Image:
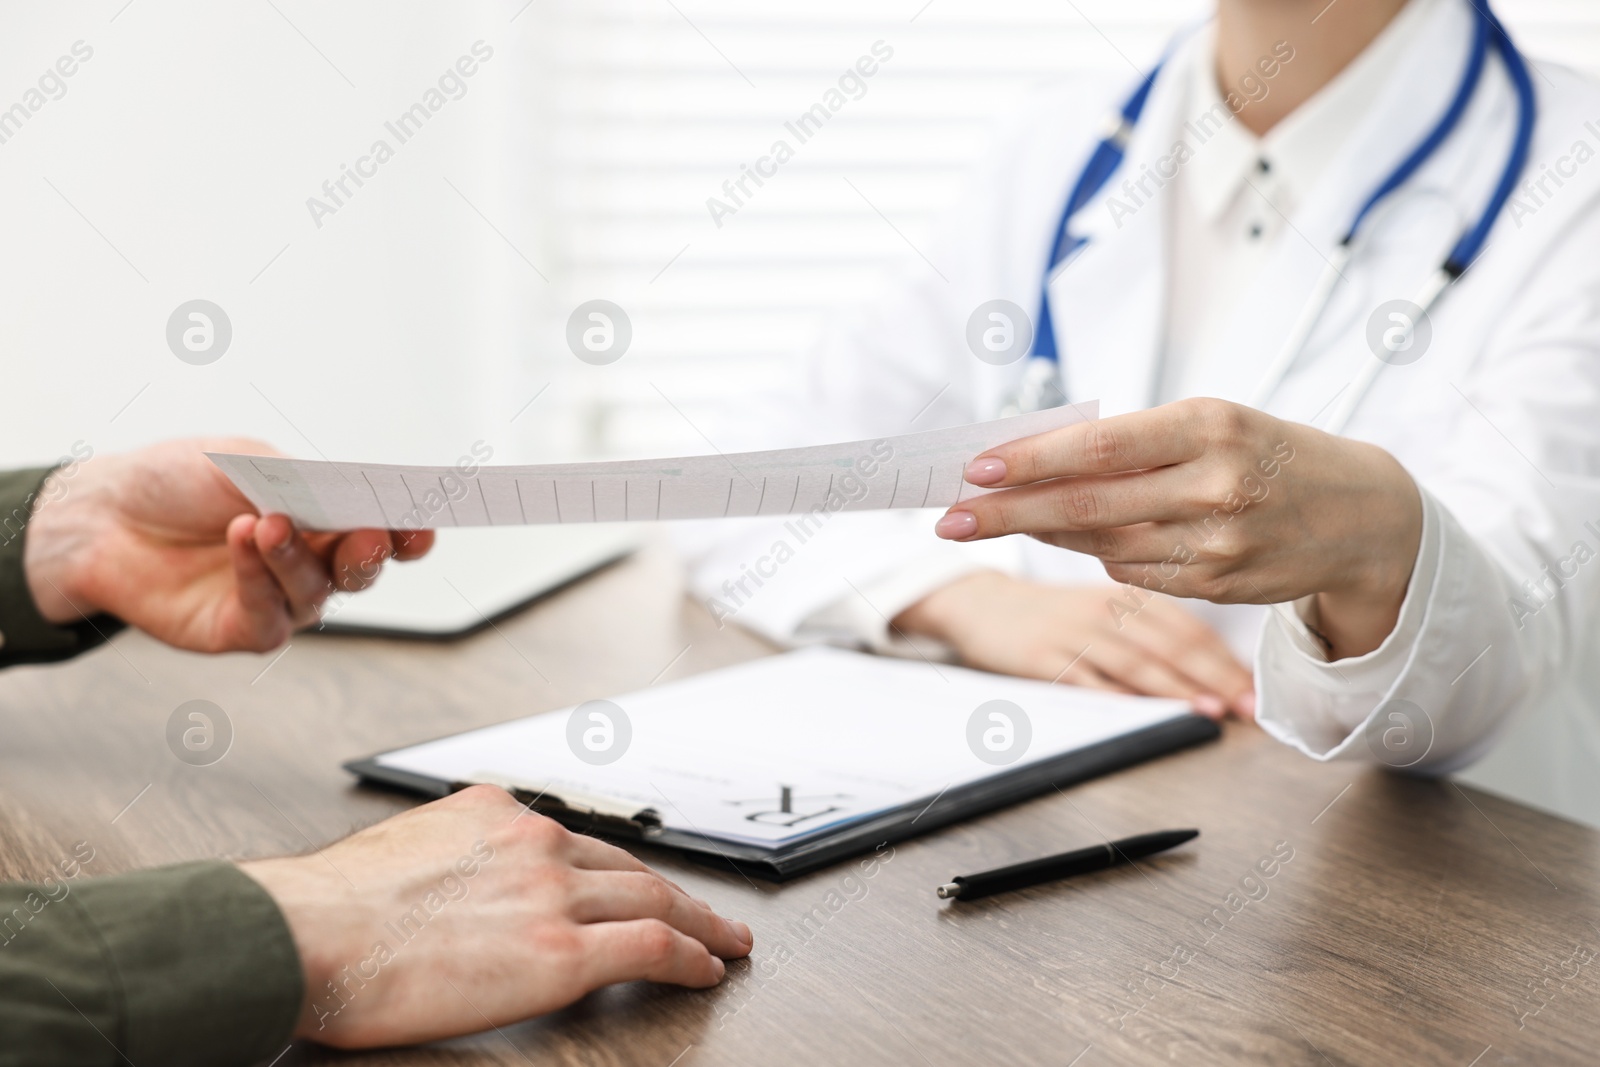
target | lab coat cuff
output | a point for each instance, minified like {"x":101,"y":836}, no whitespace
{"x":862,"y":619}
{"x":1322,"y":707}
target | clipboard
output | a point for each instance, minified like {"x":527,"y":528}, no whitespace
{"x":894,"y":693}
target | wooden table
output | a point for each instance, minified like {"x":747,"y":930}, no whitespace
{"x":1403,"y":921}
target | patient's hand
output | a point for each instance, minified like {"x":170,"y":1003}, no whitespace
{"x":544,"y":917}
{"x":1096,"y":636}
{"x":161,"y":539}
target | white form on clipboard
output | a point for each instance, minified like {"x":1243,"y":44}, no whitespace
{"x":777,"y":754}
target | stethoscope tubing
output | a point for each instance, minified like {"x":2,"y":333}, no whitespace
{"x":1488,"y":33}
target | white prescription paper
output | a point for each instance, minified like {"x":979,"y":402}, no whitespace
{"x":911,"y":471}
{"x":778,"y":749}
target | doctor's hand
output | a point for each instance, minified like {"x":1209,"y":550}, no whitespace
{"x":1101,"y":637}
{"x":161,"y":539}
{"x":1209,"y":499}
{"x":472,"y":912}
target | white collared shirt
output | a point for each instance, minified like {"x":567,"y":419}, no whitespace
{"x":1231,"y":202}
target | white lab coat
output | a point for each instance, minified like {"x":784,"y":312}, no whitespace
{"x":1499,"y":421}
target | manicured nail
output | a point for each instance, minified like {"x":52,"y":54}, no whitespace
{"x":1247,"y":705}
{"x":986,"y":471}
{"x":742,"y":932}
{"x":1209,"y":706}
{"x":957,"y":526}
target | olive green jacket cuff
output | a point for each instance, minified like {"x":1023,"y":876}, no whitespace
{"x":25,"y":636}
{"x":192,"y":964}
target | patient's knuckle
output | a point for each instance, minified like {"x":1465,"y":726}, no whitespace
{"x":656,"y":894}
{"x":554,"y":879}
{"x":558,"y":944}
{"x":656,"y":941}
{"x":541,"y":833}
{"x":486,"y":796}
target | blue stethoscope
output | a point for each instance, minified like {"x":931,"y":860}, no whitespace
{"x":1039,"y":387}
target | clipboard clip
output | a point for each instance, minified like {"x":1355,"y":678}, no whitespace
{"x":571,"y":807}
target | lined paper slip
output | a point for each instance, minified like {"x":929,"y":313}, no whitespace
{"x":911,"y":471}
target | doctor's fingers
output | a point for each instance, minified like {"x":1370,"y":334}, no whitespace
{"x":1077,"y":670}
{"x":1074,"y":505}
{"x":1191,"y":647}
{"x":1138,"y":669}
{"x":621,"y":896}
{"x":1141,"y":440}
{"x":1159,"y":547}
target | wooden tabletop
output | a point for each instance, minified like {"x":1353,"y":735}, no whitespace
{"x":1329,"y":914}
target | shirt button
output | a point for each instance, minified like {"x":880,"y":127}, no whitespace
{"x":1263,"y":165}
{"x":1255,"y":231}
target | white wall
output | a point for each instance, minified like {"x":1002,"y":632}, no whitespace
{"x":178,"y":165}
{"x":409,"y":325}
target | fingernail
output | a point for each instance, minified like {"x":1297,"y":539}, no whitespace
{"x":1209,"y":706}
{"x":986,"y":471}
{"x":957,"y":526}
{"x":1247,"y":705}
{"x":282,"y":547}
{"x":720,"y":968}
{"x":742,"y":932}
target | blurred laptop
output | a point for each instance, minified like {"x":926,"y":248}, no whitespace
{"x":475,"y":576}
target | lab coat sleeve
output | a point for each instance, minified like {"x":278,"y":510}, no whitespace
{"x":799,"y":582}
{"x":1501,"y":600}
{"x":900,"y":363}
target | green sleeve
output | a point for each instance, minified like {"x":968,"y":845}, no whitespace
{"x":192,"y":964}
{"x":25,"y":637}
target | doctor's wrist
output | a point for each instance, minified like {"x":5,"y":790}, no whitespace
{"x":945,"y":613}
{"x":1355,"y":615}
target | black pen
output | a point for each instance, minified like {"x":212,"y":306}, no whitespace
{"x":1050,"y":868}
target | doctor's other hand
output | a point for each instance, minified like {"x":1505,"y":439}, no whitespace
{"x":1095,"y":636}
{"x":507,"y":915}
{"x":161,"y":539}
{"x":1214,"y":500}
